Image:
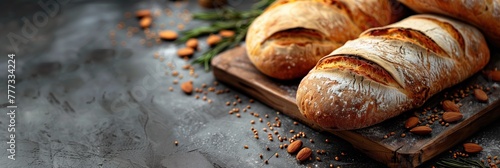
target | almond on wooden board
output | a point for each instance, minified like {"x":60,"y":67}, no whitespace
{"x":480,"y":95}
{"x":452,"y":116}
{"x":304,"y":154}
{"x":294,"y":146}
{"x":421,"y":130}
{"x":450,"y":106}
{"x":472,"y":147}
{"x":145,"y":22}
{"x":411,"y":122}
{"x":494,"y":75}
{"x":185,"y":52}
{"x":143,"y":13}
{"x":187,"y":87}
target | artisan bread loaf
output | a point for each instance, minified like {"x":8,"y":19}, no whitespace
{"x":289,"y":38}
{"x":389,"y":70}
{"x":484,"y":14}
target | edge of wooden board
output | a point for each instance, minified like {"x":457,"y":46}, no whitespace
{"x":233,"y":65}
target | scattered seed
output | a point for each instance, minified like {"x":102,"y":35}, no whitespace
{"x":176,"y":143}
{"x":246,"y":146}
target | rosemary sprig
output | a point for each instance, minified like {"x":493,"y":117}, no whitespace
{"x":461,"y":163}
{"x":262,"y":4}
{"x":224,"y":44}
{"x":204,"y":30}
{"x":227,"y":14}
{"x":226,"y":19}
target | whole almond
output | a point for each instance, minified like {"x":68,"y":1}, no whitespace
{"x":472,"y":148}
{"x":411,"y":122}
{"x":145,"y":22}
{"x":168,"y":35}
{"x":143,"y":13}
{"x":187,"y":87}
{"x":192,"y":43}
{"x":421,"y":130}
{"x":450,"y":106}
{"x":494,"y":75}
{"x":304,"y":154}
{"x":185,"y":52}
{"x":480,"y":95}
{"x":452,"y":116}
{"x":226,"y":33}
{"x":213,"y":39}
{"x":294,"y":146}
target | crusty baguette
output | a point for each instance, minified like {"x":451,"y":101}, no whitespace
{"x":484,"y":14}
{"x":289,"y":38}
{"x":389,"y":70}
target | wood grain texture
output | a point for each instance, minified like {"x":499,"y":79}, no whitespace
{"x":233,"y":68}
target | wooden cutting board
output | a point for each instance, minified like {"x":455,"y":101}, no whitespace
{"x":235,"y":69}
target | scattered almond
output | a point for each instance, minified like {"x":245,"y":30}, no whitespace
{"x":452,"y":116}
{"x":212,"y":3}
{"x":145,"y":22}
{"x":450,"y":106}
{"x":421,"y":130}
{"x":187,"y":87}
{"x":143,"y":13}
{"x":192,"y":43}
{"x":411,"y":122}
{"x":185,"y":52}
{"x":472,"y":148}
{"x":480,"y":95}
{"x":294,"y":146}
{"x":494,"y":75}
{"x":168,"y":35}
{"x":226,"y":33}
{"x":213,"y":39}
{"x":304,"y":154}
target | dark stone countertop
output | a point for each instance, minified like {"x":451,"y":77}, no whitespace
{"x":84,"y":102}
